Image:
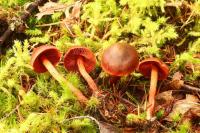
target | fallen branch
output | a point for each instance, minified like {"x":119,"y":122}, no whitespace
{"x":176,"y":84}
{"x":26,"y":14}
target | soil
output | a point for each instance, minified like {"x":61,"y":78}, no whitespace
{"x":3,"y":26}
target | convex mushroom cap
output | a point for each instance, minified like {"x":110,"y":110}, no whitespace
{"x":50,"y":52}
{"x":119,"y":59}
{"x":145,"y":68}
{"x":75,"y":52}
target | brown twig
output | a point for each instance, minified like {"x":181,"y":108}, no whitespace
{"x":26,"y":14}
{"x":176,"y":84}
{"x":192,"y":88}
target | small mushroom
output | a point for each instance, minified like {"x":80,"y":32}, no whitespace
{"x":156,"y":70}
{"x":45,"y":58}
{"x":81,"y":59}
{"x":119,"y":59}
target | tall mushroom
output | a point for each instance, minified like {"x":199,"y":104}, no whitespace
{"x":81,"y":59}
{"x":45,"y":58}
{"x":119,"y":59}
{"x":156,"y":70}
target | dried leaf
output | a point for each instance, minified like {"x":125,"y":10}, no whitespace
{"x":176,"y":82}
{"x":76,"y":10}
{"x":75,"y":14}
{"x":195,"y":112}
{"x":182,"y":106}
{"x":164,"y":97}
{"x":190,"y":67}
{"x":108,"y":128}
{"x":50,"y":8}
{"x":71,"y":18}
{"x":177,"y":76}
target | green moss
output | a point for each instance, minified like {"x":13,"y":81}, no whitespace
{"x":133,"y":118}
{"x":145,"y":24}
{"x":82,"y":126}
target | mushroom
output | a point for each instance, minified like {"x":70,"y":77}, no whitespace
{"x":81,"y":59}
{"x":156,"y":70}
{"x":119,"y":59}
{"x":45,"y":58}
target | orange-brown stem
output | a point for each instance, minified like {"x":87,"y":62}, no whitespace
{"x":152,"y":91}
{"x":61,"y":79}
{"x":77,"y":93}
{"x":86,"y":76}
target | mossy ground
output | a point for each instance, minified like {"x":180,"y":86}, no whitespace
{"x":167,"y":29}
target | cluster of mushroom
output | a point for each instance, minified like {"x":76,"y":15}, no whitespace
{"x":46,"y":57}
{"x":118,"y":60}
{"x":122,"y":59}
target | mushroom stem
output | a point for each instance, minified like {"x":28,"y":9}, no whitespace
{"x":152,"y":91}
{"x":86,"y":76}
{"x":49,"y":66}
{"x":62,"y":80}
{"x":77,"y":92}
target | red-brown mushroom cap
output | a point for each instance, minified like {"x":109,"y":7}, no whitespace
{"x":50,"y":52}
{"x":145,"y":67}
{"x":70,"y":58}
{"x":119,"y":59}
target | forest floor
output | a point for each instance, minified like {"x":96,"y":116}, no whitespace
{"x":32,"y":102}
